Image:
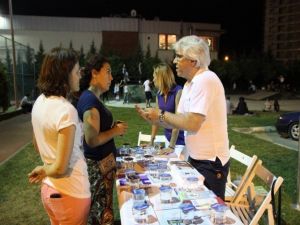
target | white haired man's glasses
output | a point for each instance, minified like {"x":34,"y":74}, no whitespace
{"x":178,"y":56}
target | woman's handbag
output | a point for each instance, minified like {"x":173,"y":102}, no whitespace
{"x":107,"y":164}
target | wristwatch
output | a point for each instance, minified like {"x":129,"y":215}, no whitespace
{"x":162,"y":116}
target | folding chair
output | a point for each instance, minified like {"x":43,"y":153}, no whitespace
{"x":252,"y":214}
{"x":146,"y":138}
{"x":236,"y":193}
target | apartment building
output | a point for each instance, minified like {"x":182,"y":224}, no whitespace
{"x":282,"y":29}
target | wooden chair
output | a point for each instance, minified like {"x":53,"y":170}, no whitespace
{"x":146,"y":138}
{"x":251,"y":214}
{"x":234,"y":193}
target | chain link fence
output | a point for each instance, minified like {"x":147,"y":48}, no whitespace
{"x":25,"y":68}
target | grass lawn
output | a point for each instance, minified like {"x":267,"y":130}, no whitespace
{"x":20,"y":202}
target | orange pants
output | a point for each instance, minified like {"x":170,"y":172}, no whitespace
{"x":64,"y":209}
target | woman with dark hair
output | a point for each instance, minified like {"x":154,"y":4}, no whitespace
{"x":65,"y":189}
{"x":99,"y":133}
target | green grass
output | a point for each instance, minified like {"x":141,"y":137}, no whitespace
{"x":20,"y":202}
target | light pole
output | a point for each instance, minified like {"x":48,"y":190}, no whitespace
{"x":297,"y":204}
{"x":14,"y":52}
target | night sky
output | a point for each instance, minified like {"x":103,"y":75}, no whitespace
{"x":241,"y":20}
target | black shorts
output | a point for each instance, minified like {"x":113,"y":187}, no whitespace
{"x":148,"y":95}
{"x":215,"y":174}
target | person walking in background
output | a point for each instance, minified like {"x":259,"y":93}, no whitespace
{"x":276,"y":105}
{"x":201,"y":113}
{"x":65,"y":189}
{"x":167,"y":99}
{"x":116,"y":91}
{"x":148,"y":93}
{"x":268,"y":105}
{"x":98,"y":143}
{"x":125,"y":90}
{"x":229,"y":106}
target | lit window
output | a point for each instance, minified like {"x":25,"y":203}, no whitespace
{"x":166,"y":41}
{"x":210,"y":42}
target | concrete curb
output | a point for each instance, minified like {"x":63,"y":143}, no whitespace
{"x":263,"y":129}
{"x":251,"y":130}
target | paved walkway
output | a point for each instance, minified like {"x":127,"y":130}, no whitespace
{"x":17,"y":132}
{"x":253,"y":105}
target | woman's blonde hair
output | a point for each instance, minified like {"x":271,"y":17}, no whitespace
{"x":164,"y":77}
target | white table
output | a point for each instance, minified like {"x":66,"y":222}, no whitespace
{"x":160,"y":214}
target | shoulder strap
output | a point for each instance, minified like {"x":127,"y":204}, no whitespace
{"x":276,"y":213}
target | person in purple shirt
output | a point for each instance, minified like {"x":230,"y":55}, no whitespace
{"x":167,"y":99}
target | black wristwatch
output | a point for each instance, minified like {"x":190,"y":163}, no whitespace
{"x":162,"y":116}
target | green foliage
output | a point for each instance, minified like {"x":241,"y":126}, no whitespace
{"x":218,"y":66}
{"x":81,"y":56}
{"x":260,"y":68}
{"x":148,"y":63}
{"x":19,"y":66}
{"x":29,"y":60}
{"x":39,"y":57}
{"x":71,"y":45}
{"x":116,"y":64}
{"x":8,"y":60}
{"x":92,"y":50}
{"x":294,"y":72}
{"x":132,"y":65}
{"x":4,"y":89}
{"x":148,"y":52}
{"x":136,"y":93}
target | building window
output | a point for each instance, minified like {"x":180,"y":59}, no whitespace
{"x":210,"y":42}
{"x":166,"y":41}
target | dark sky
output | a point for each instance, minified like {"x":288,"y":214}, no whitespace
{"x":242,"y":20}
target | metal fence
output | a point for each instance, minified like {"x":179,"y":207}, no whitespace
{"x":25,"y":67}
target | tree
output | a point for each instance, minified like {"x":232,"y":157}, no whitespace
{"x":4,"y":88}
{"x":39,"y":57}
{"x":148,"y":63}
{"x":148,"y":52}
{"x":92,"y":50}
{"x":71,"y":45}
{"x":293,"y":74}
{"x":133,"y":63}
{"x":8,"y":60}
{"x":81,"y":57}
{"x":29,"y":60}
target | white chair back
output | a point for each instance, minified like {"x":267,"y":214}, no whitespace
{"x":234,"y":193}
{"x":146,"y":138}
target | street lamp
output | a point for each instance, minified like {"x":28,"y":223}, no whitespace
{"x":14,"y":51}
{"x":226,"y":58}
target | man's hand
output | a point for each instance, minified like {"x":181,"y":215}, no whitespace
{"x":150,"y":114}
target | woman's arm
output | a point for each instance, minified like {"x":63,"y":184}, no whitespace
{"x":175,"y":131}
{"x":154,"y":127}
{"x":59,"y":168}
{"x":92,"y":134}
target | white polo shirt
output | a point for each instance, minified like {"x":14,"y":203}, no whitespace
{"x":205,"y":95}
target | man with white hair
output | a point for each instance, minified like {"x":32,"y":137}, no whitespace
{"x":201,"y":113}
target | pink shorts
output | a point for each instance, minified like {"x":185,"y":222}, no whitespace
{"x":63,"y":209}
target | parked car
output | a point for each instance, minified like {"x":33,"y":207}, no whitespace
{"x":287,"y":125}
